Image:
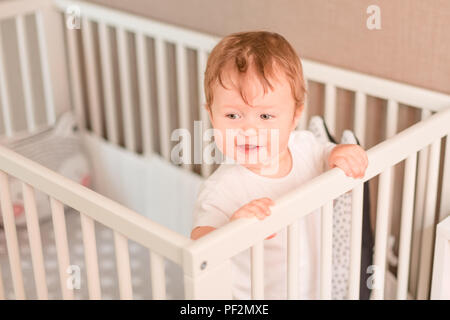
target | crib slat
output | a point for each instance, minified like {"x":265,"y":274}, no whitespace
{"x":163,"y":102}
{"x":75,"y":76}
{"x":392,"y":118}
{"x":123,"y":266}
{"x":381,"y":233}
{"x":423,"y":285}
{"x":183,"y":96}
{"x":92,"y":77}
{"x":62,"y":247}
{"x":25,"y":73}
{"x":125,"y":89}
{"x":406,"y":226}
{"x":419,"y":211}
{"x":326,"y":251}
{"x":202,"y":58}
{"x":46,"y":79}
{"x":292,"y":261}
{"x":2,"y":288}
{"x":108,"y":84}
{"x":11,"y":237}
{"x":257,"y":263}
{"x":157,"y":276}
{"x":444,"y":210}
{"x":391,"y":130}
{"x":4,"y":94}
{"x":144,"y":93}
{"x":356,"y":240}
{"x":330,"y":107}
{"x":90,"y":255}
{"x":360,"y":117}
{"x":34,"y":237}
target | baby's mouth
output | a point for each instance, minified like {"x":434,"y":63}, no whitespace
{"x":249,"y":147}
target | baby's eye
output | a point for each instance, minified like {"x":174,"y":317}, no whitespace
{"x":232,"y":116}
{"x":266,"y":116}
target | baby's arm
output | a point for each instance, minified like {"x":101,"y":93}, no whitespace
{"x":351,"y":158}
{"x":200,"y":231}
{"x":257,"y":208}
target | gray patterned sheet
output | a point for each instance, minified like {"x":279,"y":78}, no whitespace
{"x":139,"y":263}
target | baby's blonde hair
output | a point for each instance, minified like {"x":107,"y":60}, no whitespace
{"x":262,"y":50}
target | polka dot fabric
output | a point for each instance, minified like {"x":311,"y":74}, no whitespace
{"x":342,"y":210}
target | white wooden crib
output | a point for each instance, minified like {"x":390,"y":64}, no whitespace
{"x":115,"y":50}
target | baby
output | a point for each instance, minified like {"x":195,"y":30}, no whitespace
{"x":255,"y":93}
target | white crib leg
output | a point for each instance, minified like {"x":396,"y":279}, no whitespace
{"x":211,"y":284}
{"x":441,"y":265}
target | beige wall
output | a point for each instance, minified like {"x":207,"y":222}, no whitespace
{"x":413,"y":45}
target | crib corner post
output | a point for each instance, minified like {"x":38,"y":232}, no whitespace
{"x":203,"y":282}
{"x":440,"y":287}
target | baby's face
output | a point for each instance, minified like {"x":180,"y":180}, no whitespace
{"x":253,"y":134}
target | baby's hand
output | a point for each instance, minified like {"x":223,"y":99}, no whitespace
{"x":258,"y":207}
{"x":349,"y":157}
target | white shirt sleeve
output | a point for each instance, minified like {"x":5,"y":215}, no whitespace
{"x":207,"y":211}
{"x":320,"y":151}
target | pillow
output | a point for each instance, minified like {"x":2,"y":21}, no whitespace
{"x":342,"y":214}
{"x":58,"y":148}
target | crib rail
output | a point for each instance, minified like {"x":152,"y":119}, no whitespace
{"x":215,"y":249}
{"x":93,"y":207}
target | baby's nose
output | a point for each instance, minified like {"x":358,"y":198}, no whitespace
{"x":249,"y":132}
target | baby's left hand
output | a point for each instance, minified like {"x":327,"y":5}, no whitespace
{"x":351,"y":158}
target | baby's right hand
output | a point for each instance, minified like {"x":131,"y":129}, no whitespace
{"x":258,"y":207}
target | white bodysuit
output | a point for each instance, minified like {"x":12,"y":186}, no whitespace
{"x":231,"y":186}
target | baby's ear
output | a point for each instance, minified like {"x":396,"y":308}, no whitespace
{"x":297,"y":114}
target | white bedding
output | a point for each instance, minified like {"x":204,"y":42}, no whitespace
{"x":139,"y":262}
{"x":149,"y":186}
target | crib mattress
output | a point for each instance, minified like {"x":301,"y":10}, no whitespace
{"x":139,"y":263}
